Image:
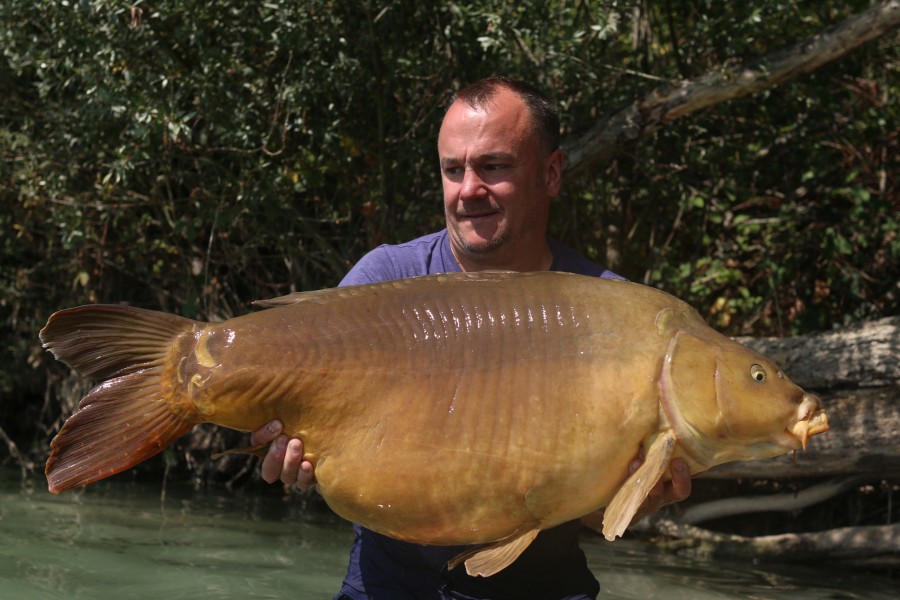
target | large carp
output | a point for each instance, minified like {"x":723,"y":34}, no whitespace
{"x":470,"y":408}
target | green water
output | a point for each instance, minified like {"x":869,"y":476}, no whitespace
{"x":117,"y":540}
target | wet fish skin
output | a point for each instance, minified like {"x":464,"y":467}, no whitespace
{"x":447,"y":409}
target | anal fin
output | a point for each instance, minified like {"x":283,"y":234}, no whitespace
{"x":490,"y":559}
{"x":625,"y":504}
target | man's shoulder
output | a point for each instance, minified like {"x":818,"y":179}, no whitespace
{"x":426,"y":243}
{"x":568,"y":260}
{"x":421,"y":256}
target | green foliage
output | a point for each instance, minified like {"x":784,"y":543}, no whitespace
{"x":773,"y":214}
{"x":194,"y":156}
{"x":790,"y":209}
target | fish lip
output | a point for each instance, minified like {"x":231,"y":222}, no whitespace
{"x":811,"y":419}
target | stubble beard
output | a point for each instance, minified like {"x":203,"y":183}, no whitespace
{"x":485,"y":247}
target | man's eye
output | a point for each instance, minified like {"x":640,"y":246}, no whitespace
{"x":495,"y":167}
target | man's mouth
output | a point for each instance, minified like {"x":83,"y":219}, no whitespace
{"x":477,"y":214}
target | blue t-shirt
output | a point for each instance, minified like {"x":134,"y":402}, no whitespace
{"x":552,"y":567}
{"x":431,"y":254}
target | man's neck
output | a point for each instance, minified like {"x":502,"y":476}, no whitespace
{"x":540,"y":260}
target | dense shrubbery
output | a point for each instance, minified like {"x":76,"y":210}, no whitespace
{"x":194,"y":156}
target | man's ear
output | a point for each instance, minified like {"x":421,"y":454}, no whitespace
{"x":553,"y":168}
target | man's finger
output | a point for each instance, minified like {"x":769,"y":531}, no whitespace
{"x":293,"y":457}
{"x":634,"y":465}
{"x":305,"y":477}
{"x":272,"y":463}
{"x":681,"y":480}
{"x":266,"y":433}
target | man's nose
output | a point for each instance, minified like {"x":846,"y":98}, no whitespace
{"x":472,"y":185}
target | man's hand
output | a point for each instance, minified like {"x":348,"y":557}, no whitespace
{"x":284,"y":460}
{"x":663,"y":493}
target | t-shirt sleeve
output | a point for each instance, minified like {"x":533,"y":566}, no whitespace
{"x":567,"y":260}
{"x":374,"y":267}
{"x":422,"y":256}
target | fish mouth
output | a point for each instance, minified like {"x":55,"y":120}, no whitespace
{"x":811,"y":419}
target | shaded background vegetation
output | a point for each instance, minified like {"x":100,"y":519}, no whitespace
{"x":194,"y":156}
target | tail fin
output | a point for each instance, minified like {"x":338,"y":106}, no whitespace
{"x":126,"y":418}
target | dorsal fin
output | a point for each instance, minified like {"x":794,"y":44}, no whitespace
{"x":298,"y":297}
{"x":352,"y":290}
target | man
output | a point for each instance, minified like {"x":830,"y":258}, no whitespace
{"x":500,"y":167}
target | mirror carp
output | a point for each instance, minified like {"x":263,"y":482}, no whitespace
{"x":468,"y":408}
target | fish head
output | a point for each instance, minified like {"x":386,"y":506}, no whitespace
{"x":727,"y":402}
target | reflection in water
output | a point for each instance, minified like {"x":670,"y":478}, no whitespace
{"x":117,"y":540}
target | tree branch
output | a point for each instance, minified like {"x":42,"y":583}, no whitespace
{"x":786,"y":502}
{"x":611,"y":135}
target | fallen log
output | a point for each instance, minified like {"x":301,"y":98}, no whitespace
{"x":861,"y":356}
{"x":869,"y":546}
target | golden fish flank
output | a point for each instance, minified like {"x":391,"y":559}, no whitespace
{"x":535,"y":389}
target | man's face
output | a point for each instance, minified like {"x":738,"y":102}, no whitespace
{"x":497,"y":180}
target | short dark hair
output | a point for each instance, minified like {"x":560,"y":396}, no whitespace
{"x":544,"y":114}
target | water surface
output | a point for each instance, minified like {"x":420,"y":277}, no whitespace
{"x":118,"y":540}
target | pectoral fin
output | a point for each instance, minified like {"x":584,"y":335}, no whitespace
{"x":625,"y":504}
{"x":487,"y":560}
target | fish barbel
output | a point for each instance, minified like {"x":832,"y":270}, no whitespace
{"x":472,"y":408}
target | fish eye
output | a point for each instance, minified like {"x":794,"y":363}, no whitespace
{"x":758,"y":373}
